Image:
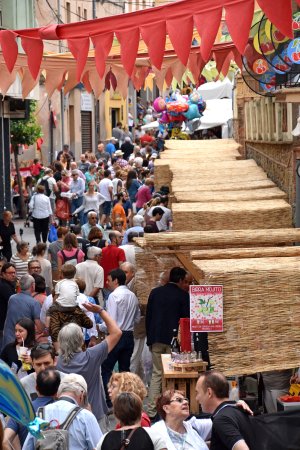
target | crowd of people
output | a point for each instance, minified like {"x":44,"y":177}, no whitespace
{"x":71,"y":325}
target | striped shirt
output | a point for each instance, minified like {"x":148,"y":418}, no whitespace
{"x":21,"y":265}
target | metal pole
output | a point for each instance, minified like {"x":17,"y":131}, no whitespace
{"x":62,"y":98}
{"x":94,"y":10}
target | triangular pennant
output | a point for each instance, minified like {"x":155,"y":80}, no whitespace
{"x":6,"y":79}
{"x":181,"y":32}
{"x":196,"y":64}
{"x":28,"y":82}
{"x":34,"y":51}
{"x":71,"y":81}
{"x":207,"y":24}
{"x":280,"y":14}
{"x":169,"y":77}
{"x":178,"y":70}
{"x":122,"y":80}
{"x":9,"y":48}
{"x":102,"y":44}
{"x":220,"y":57}
{"x":96,"y":83}
{"x":79,"y":49}
{"x":239,"y":29}
{"x":154,"y":36}
{"x":54,"y":79}
{"x":86,"y":82}
{"x":129,"y":40}
{"x":226,"y":64}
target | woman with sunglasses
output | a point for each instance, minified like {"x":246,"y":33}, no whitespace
{"x":177,"y":432}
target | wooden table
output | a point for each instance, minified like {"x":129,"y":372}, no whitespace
{"x":181,"y":381}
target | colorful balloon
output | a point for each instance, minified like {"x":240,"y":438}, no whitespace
{"x":192,"y":112}
{"x":159,"y":104}
{"x":15,"y":403}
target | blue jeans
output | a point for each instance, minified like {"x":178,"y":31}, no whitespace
{"x":121,"y":354}
{"x":75,"y":203}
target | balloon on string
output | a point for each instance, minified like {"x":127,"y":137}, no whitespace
{"x":15,"y":403}
{"x":159,"y":104}
{"x":192,"y":112}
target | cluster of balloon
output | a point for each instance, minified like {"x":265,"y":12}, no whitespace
{"x":15,"y":403}
{"x":272,"y":53}
{"x":175,"y":109}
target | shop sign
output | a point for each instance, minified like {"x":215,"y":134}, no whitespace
{"x":206,"y":308}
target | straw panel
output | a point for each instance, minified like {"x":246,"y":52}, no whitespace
{"x":231,"y":215}
{"x":219,"y":196}
{"x":219,"y":239}
{"x":261,"y":314}
{"x":149,"y":268}
{"x":174,"y":144}
{"x":224,"y":186}
{"x":238,"y":253}
{"x":217,"y":174}
{"x":167,"y":170}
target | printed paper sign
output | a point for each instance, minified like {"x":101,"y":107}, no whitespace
{"x":206,"y":308}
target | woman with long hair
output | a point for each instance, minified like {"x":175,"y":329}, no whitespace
{"x":25,"y":337}
{"x":128,"y":382}
{"x":70,"y":252}
{"x":91,"y":201}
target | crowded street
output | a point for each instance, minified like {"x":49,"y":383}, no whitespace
{"x":149,"y":225}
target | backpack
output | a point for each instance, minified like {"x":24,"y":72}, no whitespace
{"x":56,"y":438}
{"x":70,"y":259}
{"x":44,"y":182}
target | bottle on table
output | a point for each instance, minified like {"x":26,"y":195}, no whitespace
{"x":175,"y":348}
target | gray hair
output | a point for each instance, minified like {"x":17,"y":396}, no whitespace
{"x":129,"y":266}
{"x":72,"y":382}
{"x":90,"y":213}
{"x":137,"y":220}
{"x":93,"y":251}
{"x":26,"y":282}
{"x":70,"y":340}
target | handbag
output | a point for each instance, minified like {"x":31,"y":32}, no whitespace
{"x":52,"y":235}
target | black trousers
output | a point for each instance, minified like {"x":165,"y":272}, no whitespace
{"x":41,"y":227}
{"x":121,"y":354}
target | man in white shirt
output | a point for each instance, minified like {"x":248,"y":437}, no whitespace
{"x":84,"y":431}
{"x":129,"y":248}
{"x":123,"y":307}
{"x":106,"y":189}
{"x":92,"y":274}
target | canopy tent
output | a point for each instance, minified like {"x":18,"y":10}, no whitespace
{"x":177,"y":20}
{"x":216,"y":113}
{"x":216,"y":89}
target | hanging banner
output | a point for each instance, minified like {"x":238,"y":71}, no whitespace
{"x":206,"y":308}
